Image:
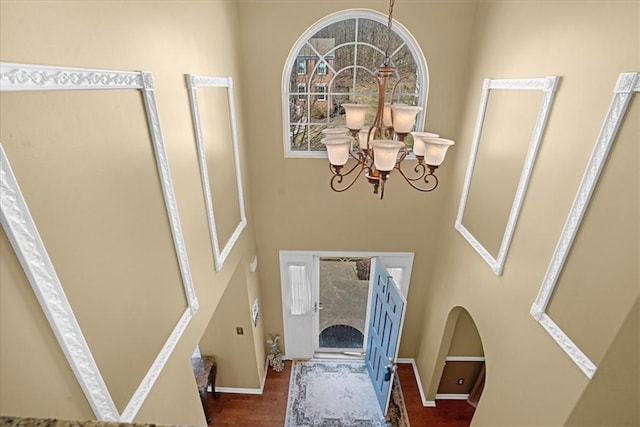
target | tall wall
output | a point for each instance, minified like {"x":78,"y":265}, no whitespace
{"x":240,"y":357}
{"x":85,"y":163}
{"x":530,"y":380}
{"x":294,"y":207}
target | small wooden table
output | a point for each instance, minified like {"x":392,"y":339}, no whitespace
{"x":205,"y":369}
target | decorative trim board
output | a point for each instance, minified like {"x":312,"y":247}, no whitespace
{"x":195,"y":82}
{"x":626,"y":86}
{"x":548,"y":86}
{"x":30,"y":250}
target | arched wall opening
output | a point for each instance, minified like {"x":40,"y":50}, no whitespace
{"x":460,"y":364}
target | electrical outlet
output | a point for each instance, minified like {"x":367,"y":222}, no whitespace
{"x":460,"y":381}
{"x":239,"y":330}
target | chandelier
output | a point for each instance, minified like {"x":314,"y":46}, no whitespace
{"x":381,"y":148}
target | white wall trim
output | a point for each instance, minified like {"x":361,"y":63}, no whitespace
{"x":237,"y":390}
{"x":426,"y":403}
{"x":247,"y":390}
{"x":30,"y":250}
{"x":464,"y":359}
{"x":451,"y":396}
{"x":548,"y":86}
{"x":195,"y":82}
{"x":626,"y":86}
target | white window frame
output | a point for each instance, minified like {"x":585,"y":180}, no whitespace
{"x":321,"y":92}
{"x":398,"y":28}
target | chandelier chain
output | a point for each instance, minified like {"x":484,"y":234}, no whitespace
{"x":386,"y":52}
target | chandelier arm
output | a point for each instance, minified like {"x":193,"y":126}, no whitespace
{"x":403,"y":156}
{"x":424,"y":176}
{"x":337,"y":178}
{"x":338,"y":172}
{"x":395,"y":86}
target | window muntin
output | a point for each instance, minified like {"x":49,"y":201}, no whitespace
{"x":348,"y":45}
{"x":302,"y":94}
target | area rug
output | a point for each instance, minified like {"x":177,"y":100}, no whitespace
{"x":338,"y":393}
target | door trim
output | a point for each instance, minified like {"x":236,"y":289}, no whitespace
{"x":295,"y":339}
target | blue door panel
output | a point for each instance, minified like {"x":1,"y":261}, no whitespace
{"x":387,"y":309}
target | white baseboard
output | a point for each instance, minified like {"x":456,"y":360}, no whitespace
{"x":246,"y":390}
{"x":451,"y":396}
{"x":465,"y":359}
{"x":238,"y":390}
{"x":426,"y":403}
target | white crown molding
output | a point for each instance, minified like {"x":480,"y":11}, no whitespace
{"x":31,"y":252}
{"x":569,"y":347}
{"x":548,"y":86}
{"x":27,"y":77}
{"x":626,"y":86}
{"x":195,"y":82}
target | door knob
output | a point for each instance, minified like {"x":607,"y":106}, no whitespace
{"x":388,"y":370}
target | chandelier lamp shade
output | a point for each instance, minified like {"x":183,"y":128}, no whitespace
{"x":380,"y":148}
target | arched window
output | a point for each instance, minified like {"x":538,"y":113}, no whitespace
{"x":333,"y":63}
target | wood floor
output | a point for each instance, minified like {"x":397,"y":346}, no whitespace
{"x":269,"y":409}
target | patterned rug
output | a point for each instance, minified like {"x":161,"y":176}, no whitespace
{"x":339,"y":393}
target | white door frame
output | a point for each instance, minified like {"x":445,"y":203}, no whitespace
{"x":300,"y":337}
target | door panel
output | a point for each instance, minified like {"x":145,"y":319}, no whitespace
{"x":383,"y":338}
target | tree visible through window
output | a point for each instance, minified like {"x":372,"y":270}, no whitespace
{"x":336,"y":63}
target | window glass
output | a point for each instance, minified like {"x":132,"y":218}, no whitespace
{"x":322,"y":68}
{"x":335,"y":63}
{"x":302,"y":66}
{"x":321,"y":90}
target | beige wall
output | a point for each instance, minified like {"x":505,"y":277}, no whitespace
{"x":89,"y":179}
{"x":294,"y":207}
{"x":240,"y":358}
{"x":588,"y":44}
{"x":465,"y":340}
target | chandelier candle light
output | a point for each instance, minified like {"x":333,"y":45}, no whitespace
{"x":381,"y":147}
